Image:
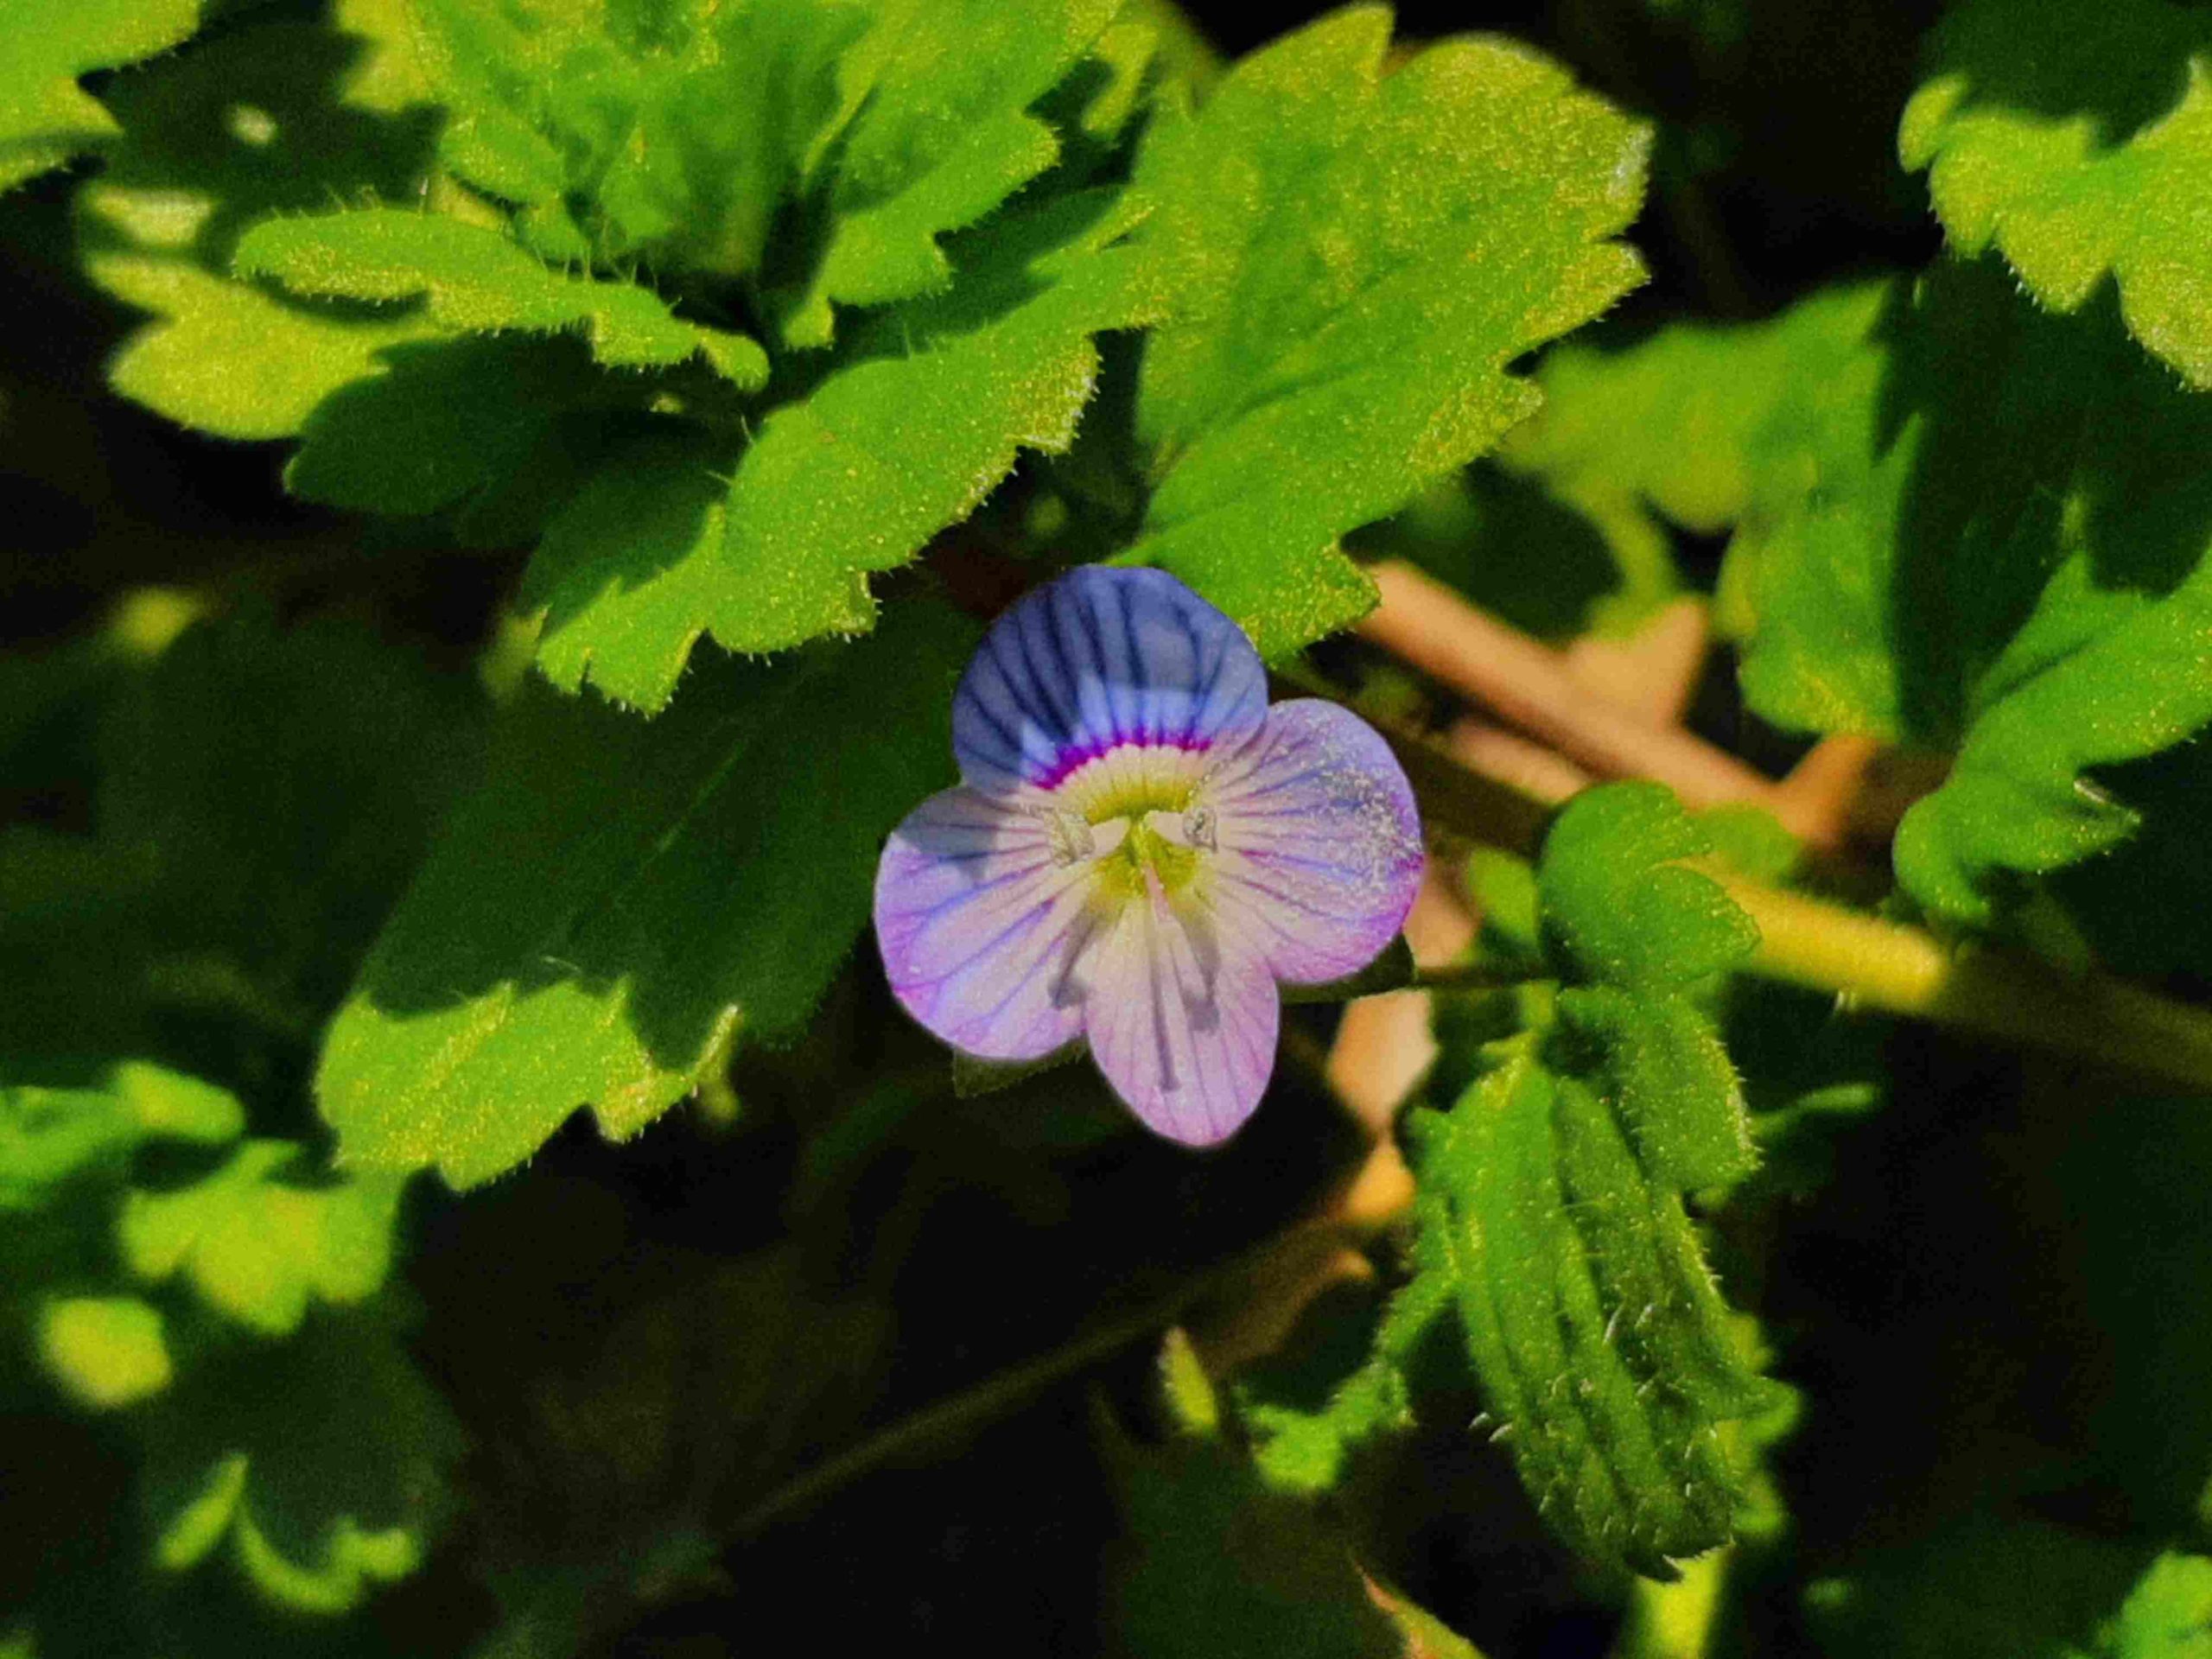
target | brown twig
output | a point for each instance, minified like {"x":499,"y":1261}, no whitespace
{"x":1818,"y":801}
{"x":1528,"y":684}
{"x":1653,"y":672}
{"x":1543,"y":774}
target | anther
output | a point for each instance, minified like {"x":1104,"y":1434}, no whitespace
{"x":1070,"y":836}
{"x":1197,"y":827}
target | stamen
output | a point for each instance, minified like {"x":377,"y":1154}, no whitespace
{"x":1197,"y":827}
{"x":1070,"y":836}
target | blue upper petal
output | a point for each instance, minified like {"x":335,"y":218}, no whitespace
{"x":1101,"y":658}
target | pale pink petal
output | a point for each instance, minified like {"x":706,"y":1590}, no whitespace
{"x":1181,"y":1020}
{"x":981,"y":927}
{"x":1318,"y":849}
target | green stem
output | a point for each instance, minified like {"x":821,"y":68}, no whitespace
{"x":1873,"y":963}
{"x":1675,"y":1621}
{"x":995,"y":1396}
{"x":1905,"y":971}
{"x":1466,"y":977}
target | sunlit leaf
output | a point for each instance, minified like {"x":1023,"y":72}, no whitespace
{"x":106,"y":1352}
{"x":45,"y":116}
{"x":1363,"y":254}
{"x":2079,"y":143}
{"x":622,"y":896}
{"x":769,"y":545}
{"x":471,"y":279}
{"x":256,"y":1246}
{"x":2004,"y":557}
{"x":256,"y":121}
{"x":319,"y":1463}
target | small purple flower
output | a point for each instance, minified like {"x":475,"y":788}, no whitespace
{"x":1141,"y":850}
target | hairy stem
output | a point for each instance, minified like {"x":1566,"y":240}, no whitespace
{"x":1906,"y":971}
{"x":1866,"y":960}
{"x":1461,"y":977}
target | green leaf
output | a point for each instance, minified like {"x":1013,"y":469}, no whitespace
{"x":1603,"y":1351}
{"x":455,"y":423}
{"x":622,"y":895}
{"x":2168,"y":1615}
{"x":676,"y":134}
{"x":262,"y":120}
{"x":1362,"y":256}
{"x":261,"y":795}
{"x":45,"y":116}
{"x":1703,"y":426}
{"x":2079,"y":143}
{"x":1216,"y":1563}
{"x":50,"y":1136}
{"x":472,"y":280}
{"x":256,"y":1246}
{"x":1616,"y":905}
{"x":2000,"y":1586}
{"x":1503,"y":888}
{"x":931,"y":132}
{"x":2005,"y":557}
{"x":667,"y":134}
{"x":1307,"y":1419}
{"x":1551,"y":1258}
{"x":284,"y":782}
{"x":1618,"y":911}
{"x":106,"y":1351}
{"x":1700,"y":422}
{"x":1666,"y":1074}
{"x":854,"y":477}
{"x":321,"y":1461}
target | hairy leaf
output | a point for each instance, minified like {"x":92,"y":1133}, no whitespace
{"x":472,"y":280}
{"x":45,"y":116}
{"x":1616,"y":904}
{"x":1701,"y":425}
{"x":2004,"y":557}
{"x":49,"y":1135}
{"x":675,"y":133}
{"x":1363,"y":254}
{"x":2078,"y":142}
{"x":319,"y":1462}
{"x":1591,"y":1320}
{"x":1552,"y":1262}
{"x":854,"y":477}
{"x":106,"y":1351}
{"x":1618,"y":911}
{"x":1664,"y":1071}
{"x":262,"y":120}
{"x":931,"y":132}
{"x":621,"y":897}
{"x":1219,"y":1564}
{"x":256,"y":1246}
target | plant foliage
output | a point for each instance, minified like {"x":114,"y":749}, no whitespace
{"x":501,"y":494}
